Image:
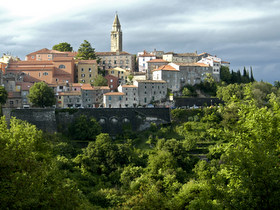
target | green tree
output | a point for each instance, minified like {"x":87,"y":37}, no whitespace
{"x":252,"y":79}
{"x":63,"y":47}
{"x":3,"y":97}
{"x":86,"y":51}
{"x":100,"y":81}
{"x":84,"y":129}
{"x":225,"y":74}
{"x":41,"y":95}
{"x":30,"y":177}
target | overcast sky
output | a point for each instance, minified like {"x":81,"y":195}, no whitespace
{"x":243,"y":32}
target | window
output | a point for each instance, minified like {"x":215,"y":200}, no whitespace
{"x":39,"y":74}
{"x":110,"y":98}
{"x":82,"y":75}
{"x":89,"y":75}
{"x":61,"y":66}
{"x":115,"y":62}
{"x":45,"y":73}
{"x":120,"y":98}
{"x":111,"y":80}
{"x":89,"y":69}
{"x":112,"y":72}
{"x":82,"y":69}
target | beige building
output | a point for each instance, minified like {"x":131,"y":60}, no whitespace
{"x":87,"y":71}
{"x":122,"y":74}
{"x":111,"y":60}
{"x":70,"y":99}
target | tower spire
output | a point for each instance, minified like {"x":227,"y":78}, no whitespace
{"x":116,"y":35}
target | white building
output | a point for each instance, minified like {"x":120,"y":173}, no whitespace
{"x":143,"y":58}
{"x":169,"y":74}
{"x":215,"y":63}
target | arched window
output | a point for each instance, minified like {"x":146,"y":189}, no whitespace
{"x":61,"y":66}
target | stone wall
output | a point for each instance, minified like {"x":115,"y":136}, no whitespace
{"x":112,"y":120}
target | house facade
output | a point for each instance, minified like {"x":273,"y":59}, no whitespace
{"x":110,"y":60}
{"x":180,"y":57}
{"x":87,"y":71}
{"x":130,"y":99}
{"x":169,"y":74}
{"x":113,"y":100}
{"x":150,"y":90}
{"x":143,"y":58}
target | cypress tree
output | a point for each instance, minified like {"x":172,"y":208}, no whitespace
{"x":252,"y":79}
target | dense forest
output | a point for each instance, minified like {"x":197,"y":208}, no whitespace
{"x":219,"y":157}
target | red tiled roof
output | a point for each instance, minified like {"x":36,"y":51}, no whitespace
{"x":165,"y":68}
{"x":87,"y":62}
{"x":70,"y":93}
{"x":157,"y":61}
{"x":87,"y":87}
{"x":192,"y":64}
{"x":129,"y":86}
{"x":114,"y":94}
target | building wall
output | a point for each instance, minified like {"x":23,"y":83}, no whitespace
{"x":113,"y":100}
{"x":172,"y":79}
{"x":111,"y":120}
{"x":142,"y":62}
{"x":87,"y":72}
{"x":150,"y":90}
{"x":130,"y":99}
{"x":113,"y":82}
{"x":112,"y":60}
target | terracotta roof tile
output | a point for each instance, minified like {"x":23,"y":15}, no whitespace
{"x":87,"y":62}
{"x":157,"y":61}
{"x":165,"y":68}
{"x":129,"y":86}
{"x":114,"y":94}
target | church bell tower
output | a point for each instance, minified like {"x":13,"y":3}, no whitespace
{"x":116,"y":36}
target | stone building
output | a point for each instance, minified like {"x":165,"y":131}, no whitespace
{"x":109,"y":60}
{"x":71,"y":99}
{"x":113,"y":100}
{"x":130,"y":99}
{"x":154,"y":64}
{"x":180,"y":57}
{"x":150,"y":91}
{"x":87,"y":71}
{"x":191,"y":73}
{"x":169,"y":74}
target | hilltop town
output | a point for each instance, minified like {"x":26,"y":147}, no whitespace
{"x":132,"y":80}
